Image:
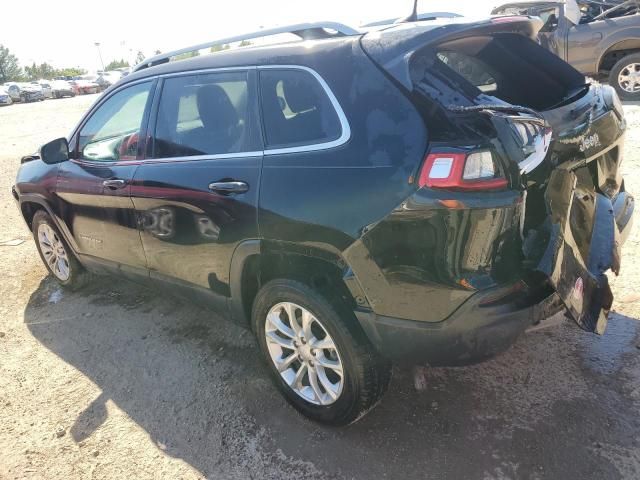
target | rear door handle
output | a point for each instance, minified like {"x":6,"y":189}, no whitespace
{"x":227,"y":188}
{"x":114,"y":184}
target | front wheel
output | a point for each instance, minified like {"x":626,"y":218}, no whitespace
{"x":55,"y":253}
{"x":625,"y":77}
{"x":318,"y":357}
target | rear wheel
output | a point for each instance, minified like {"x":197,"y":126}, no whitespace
{"x":625,"y":77}
{"x":320,"y":361}
{"x":55,"y":253}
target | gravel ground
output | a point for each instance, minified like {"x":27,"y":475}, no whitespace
{"x":118,"y":382}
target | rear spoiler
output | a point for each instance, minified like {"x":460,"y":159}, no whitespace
{"x":392,"y":49}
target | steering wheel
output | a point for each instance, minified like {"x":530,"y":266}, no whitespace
{"x":128,"y":149}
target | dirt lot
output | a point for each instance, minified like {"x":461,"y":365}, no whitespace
{"x":118,"y":382}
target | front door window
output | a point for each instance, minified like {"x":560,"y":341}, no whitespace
{"x":113,"y":131}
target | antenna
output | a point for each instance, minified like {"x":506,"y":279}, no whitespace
{"x":411,"y":18}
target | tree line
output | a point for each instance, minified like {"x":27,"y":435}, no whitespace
{"x":11,"y":71}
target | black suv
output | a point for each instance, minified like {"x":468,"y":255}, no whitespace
{"x":423,"y":193}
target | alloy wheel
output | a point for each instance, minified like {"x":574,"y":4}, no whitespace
{"x":629,"y":78}
{"x":54,"y":252}
{"x":304,"y":353}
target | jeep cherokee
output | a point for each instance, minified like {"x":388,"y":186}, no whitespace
{"x":422,"y":192}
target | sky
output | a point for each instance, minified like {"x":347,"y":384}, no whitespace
{"x":65,"y":36}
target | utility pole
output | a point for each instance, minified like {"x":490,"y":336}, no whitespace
{"x":97,"y":44}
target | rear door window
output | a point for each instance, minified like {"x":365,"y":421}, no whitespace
{"x":206,"y":114}
{"x":296,"y":110}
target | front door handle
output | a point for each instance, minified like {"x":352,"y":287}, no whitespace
{"x":114,"y":184}
{"x":227,"y":188}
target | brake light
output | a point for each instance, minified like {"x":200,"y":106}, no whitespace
{"x":461,"y":171}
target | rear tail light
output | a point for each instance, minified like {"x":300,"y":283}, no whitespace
{"x":462,"y":171}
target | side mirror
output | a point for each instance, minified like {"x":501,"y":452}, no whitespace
{"x":56,"y":151}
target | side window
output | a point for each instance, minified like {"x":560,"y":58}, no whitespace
{"x":204,"y":115}
{"x":113,"y":131}
{"x":550,"y":18}
{"x":296,"y":110}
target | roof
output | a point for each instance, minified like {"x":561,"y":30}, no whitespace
{"x":301,"y":53}
{"x":385,"y":45}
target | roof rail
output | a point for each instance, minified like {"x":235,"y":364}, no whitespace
{"x":306,"y":31}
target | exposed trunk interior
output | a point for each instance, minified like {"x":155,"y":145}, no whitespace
{"x":509,"y":67}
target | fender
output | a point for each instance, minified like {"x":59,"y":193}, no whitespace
{"x":249,"y":248}
{"x":625,"y":38}
{"x":42,"y":201}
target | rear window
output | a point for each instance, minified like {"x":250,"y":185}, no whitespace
{"x":296,"y":110}
{"x":510,"y":67}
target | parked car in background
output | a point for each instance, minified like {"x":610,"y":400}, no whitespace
{"x":93,"y":80}
{"x":84,"y":87}
{"x":5,"y":98}
{"x":13,"y":89}
{"x":598,"y":38}
{"x":46,"y":88}
{"x":30,"y":92}
{"x":124,"y":71}
{"x":106,"y":79}
{"x":62,"y":88}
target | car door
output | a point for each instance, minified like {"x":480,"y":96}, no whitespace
{"x":196,"y":192}
{"x":93,"y":187}
{"x":582,"y":43}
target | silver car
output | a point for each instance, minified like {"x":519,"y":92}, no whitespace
{"x":5,"y":98}
{"x":46,"y":88}
{"x":13,"y":89}
{"x":62,"y":88}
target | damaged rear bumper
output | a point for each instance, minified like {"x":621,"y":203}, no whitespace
{"x":583,"y":234}
{"x":484,"y":326}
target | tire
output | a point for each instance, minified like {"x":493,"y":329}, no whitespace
{"x":630,"y":63}
{"x":365,"y":376}
{"x":76,"y":276}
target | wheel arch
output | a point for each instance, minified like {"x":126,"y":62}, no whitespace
{"x":255,"y":262}
{"x":618,"y":49}
{"x":29,"y":209}
{"x":31,"y":203}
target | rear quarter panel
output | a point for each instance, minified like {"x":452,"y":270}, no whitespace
{"x":326,"y":200}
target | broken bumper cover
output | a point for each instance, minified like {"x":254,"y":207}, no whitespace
{"x":585,"y":231}
{"x":480,"y":329}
